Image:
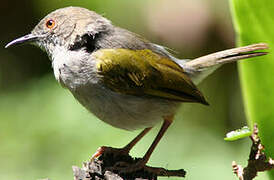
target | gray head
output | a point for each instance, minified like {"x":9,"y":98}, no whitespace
{"x":66,"y":27}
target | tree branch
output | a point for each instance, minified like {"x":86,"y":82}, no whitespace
{"x":256,"y":162}
{"x":104,"y":168}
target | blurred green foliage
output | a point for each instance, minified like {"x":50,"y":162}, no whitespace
{"x":254,"y":23}
{"x":44,"y":130}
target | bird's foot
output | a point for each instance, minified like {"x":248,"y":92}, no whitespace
{"x":118,"y":161}
{"x":140,"y":166}
{"x":109,"y":150}
{"x":119,"y":153}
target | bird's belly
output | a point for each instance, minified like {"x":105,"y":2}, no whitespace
{"x":119,"y":110}
{"x":124,"y":111}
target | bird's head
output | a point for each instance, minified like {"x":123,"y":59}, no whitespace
{"x":69,"y":28}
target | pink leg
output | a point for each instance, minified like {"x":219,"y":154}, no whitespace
{"x":124,"y":150}
{"x":142,"y":163}
{"x":167,"y":121}
{"x":130,"y":145}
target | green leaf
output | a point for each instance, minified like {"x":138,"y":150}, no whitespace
{"x":254,"y":22}
{"x":238,"y":134}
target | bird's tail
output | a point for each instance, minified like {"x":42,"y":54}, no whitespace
{"x":201,"y":67}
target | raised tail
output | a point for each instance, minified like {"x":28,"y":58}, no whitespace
{"x":201,"y":67}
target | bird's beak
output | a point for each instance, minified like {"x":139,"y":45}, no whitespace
{"x":24,"y":39}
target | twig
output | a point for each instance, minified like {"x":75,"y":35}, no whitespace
{"x":256,"y":162}
{"x":104,"y":169}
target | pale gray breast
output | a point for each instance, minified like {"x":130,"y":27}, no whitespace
{"x":73,"y":68}
{"x":124,"y":111}
{"x":76,"y":71}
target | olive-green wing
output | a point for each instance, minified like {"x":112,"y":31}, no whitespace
{"x":145,"y":73}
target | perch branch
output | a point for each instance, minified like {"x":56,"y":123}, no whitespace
{"x":256,"y":162}
{"x":103,"y":168}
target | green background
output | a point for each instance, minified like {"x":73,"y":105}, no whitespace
{"x":254,"y":22}
{"x":44,"y":130}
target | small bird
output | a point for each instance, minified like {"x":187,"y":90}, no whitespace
{"x":120,"y":77}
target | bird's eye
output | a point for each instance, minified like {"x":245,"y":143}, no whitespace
{"x":50,"y":24}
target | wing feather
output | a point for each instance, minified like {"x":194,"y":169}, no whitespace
{"x":145,"y":73}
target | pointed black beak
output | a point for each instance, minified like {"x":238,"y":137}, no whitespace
{"x":24,"y":39}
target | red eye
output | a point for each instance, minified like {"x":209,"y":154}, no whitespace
{"x":50,"y":24}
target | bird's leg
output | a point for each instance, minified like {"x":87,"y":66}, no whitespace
{"x":141,"y":163}
{"x":167,"y":122}
{"x":124,"y":150}
{"x":132,"y":143}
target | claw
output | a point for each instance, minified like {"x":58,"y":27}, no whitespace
{"x":98,"y":153}
{"x":108,"y":150}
